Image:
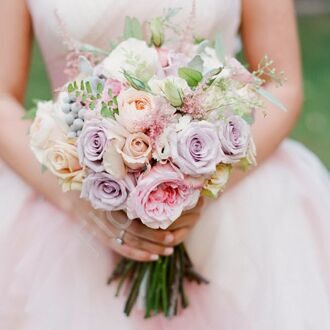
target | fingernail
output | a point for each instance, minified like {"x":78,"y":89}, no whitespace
{"x":154,"y":257}
{"x":169,"y":238}
{"x":168,"y":251}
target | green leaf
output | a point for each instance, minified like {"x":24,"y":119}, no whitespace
{"x":30,"y":114}
{"x":89,"y":87}
{"x":271,"y":98}
{"x":106,"y":112}
{"x":71,"y":88}
{"x":132,"y":29}
{"x":191,"y":76}
{"x":196,"y":63}
{"x":99,"y":88}
{"x":92,"y":105}
{"x":135,"y":82}
{"x":219,"y":48}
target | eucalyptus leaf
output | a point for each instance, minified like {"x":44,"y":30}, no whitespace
{"x":85,"y":66}
{"x":133,"y":28}
{"x":201,"y":47}
{"x":219,"y":48}
{"x":196,"y":63}
{"x":271,"y":98}
{"x":91,"y":49}
{"x":191,"y":76}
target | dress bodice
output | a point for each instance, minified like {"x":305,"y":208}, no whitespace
{"x":99,"y":21}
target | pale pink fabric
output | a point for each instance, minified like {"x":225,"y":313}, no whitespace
{"x":264,"y":245}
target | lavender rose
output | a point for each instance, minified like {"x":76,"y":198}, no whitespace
{"x":234,"y":135}
{"x":193,"y":149}
{"x":106,"y":192}
{"x":92,"y":143}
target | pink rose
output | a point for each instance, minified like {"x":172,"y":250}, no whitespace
{"x":162,"y":195}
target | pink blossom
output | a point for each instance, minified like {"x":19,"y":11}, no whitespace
{"x":161,"y":195}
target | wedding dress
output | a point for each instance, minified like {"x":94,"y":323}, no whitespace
{"x":264,"y":246}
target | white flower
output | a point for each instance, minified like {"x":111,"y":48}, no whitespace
{"x":172,"y":88}
{"x":133,"y":56}
{"x":210,"y":59}
{"x":46,"y":129}
{"x":218,"y":181}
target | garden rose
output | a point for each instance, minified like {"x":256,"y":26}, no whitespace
{"x":193,"y":148}
{"x":92,"y":142}
{"x":218,"y":181}
{"x":105,"y":192}
{"x":134,"y":107}
{"x":234,"y":135}
{"x":133,"y":56}
{"x":62,"y":160}
{"x":46,"y":129}
{"x":161,"y":195}
{"x":137,"y":150}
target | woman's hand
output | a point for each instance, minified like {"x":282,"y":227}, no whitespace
{"x":139,"y":242}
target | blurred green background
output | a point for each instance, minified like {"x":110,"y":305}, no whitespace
{"x":313,"y":127}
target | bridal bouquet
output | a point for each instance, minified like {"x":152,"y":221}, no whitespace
{"x":147,"y":128}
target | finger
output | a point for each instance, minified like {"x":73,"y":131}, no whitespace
{"x":100,"y":229}
{"x":159,"y":236}
{"x":186,"y":220}
{"x":180,"y":235}
{"x":133,"y":253}
{"x":142,"y":244}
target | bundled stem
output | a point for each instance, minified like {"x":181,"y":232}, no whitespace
{"x":164,"y":278}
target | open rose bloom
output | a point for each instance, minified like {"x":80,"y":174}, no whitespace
{"x":151,"y":126}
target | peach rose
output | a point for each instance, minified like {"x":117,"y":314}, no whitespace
{"x":134,"y":107}
{"x":137,"y":151}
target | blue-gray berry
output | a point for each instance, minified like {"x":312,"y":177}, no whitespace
{"x":72,"y":135}
{"x":78,"y":124}
{"x":69,"y":118}
{"x":73,"y":98}
{"x":81,"y":113}
{"x":75,"y":107}
{"x":66,"y":107}
{"x":66,"y":98}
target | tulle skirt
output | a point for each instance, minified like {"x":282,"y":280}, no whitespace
{"x":264,"y":246}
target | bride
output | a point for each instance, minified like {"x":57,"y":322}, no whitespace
{"x":264,"y":244}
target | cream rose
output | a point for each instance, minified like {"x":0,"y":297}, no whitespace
{"x":137,"y":151}
{"x":134,"y":107}
{"x":46,"y":129}
{"x":62,"y":160}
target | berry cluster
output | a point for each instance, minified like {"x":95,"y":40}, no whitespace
{"x":74,"y":114}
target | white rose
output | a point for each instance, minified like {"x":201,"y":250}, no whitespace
{"x":46,"y":128}
{"x":133,"y":56}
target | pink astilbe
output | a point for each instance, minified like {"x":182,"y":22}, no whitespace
{"x":74,"y":51}
{"x":155,"y":123}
